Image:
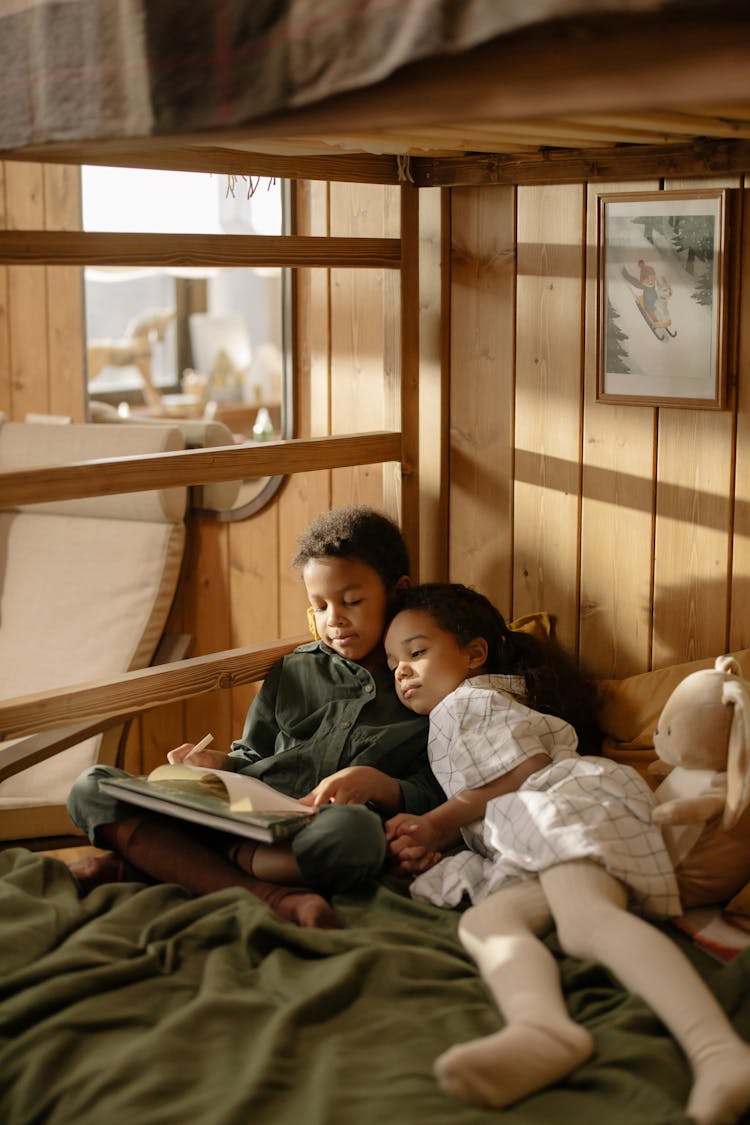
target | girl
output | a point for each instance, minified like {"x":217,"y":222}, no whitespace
{"x":554,"y":838}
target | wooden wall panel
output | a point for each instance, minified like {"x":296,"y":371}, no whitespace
{"x":357,"y":339}
{"x":41,"y":308}
{"x":739,"y":617}
{"x":254,"y":578}
{"x":434,"y":344}
{"x":64,"y":286}
{"x":206,"y":580}
{"x":27,"y":296}
{"x":617,"y":503}
{"x":692,"y":542}
{"x":482,"y":312}
{"x":653,"y":566}
{"x":6,"y":403}
{"x":304,"y":495}
{"x":548,"y":405}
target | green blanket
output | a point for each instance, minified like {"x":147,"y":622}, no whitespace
{"x":142,"y":1004}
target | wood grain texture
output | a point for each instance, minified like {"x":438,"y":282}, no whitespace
{"x":357,"y":340}
{"x":253,"y":578}
{"x":5,"y":380}
{"x":27,"y":296}
{"x":404,"y":392}
{"x":434,"y":360}
{"x":693,"y":512}
{"x":617,"y":505}
{"x":134,"y":692}
{"x":65,"y":312}
{"x":204,"y":154}
{"x":482,"y":382}
{"x":22,"y":247}
{"x":607,"y":163}
{"x":739,"y":594}
{"x":548,"y":405}
{"x":188,"y":467}
{"x":205,"y":572}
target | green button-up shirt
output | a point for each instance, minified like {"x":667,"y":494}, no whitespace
{"x":317,"y":713}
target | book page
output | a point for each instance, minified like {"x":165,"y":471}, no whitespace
{"x":246,"y":794}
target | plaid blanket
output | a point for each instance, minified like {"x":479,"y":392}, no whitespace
{"x":93,"y":69}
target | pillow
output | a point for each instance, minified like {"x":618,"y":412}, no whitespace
{"x":740,"y":904}
{"x":539,"y":625}
{"x":718,"y":865}
{"x":628,"y":710}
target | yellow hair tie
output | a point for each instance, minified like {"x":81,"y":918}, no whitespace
{"x":311,"y":623}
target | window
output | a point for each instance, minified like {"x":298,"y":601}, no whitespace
{"x":186,"y":342}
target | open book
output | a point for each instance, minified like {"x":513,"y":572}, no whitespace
{"x":231,"y":802}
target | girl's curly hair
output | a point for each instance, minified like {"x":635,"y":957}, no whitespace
{"x":554,"y":684}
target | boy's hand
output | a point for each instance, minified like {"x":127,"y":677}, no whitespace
{"x":211,"y":759}
{"x":356,"y":785}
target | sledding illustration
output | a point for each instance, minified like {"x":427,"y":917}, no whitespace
{"x":652,"y":299}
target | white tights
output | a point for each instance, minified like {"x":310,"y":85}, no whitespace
{"x":540,"y":1044}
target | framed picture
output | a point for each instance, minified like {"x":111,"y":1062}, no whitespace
{"x":662,"y":298}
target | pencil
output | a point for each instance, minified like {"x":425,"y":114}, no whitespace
{"x":204,"y":742}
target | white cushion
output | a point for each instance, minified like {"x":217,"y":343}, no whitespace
{"x":85,"y":585}
{"x":34,"y":445}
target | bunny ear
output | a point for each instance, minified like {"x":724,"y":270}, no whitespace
{"x":737,"y":693}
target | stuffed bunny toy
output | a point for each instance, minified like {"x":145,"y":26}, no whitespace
{"x":703,"y":740}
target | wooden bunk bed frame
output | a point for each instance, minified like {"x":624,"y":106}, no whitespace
{"x":592,"y":98}
{"x":596,"y":98}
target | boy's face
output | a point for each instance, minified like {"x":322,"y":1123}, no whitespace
{"x":349,"y":600}
{"x":428,"y":662}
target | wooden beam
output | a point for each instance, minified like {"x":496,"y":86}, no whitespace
{"x":562,"y":166}
{"x":195,"y":466}
{"x":81,"y":248}
{"x":134,"y":692}
{"x":608,"y":62}
{"x":210,"y":153}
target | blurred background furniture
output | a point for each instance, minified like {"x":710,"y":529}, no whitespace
{"x":85,"y":592}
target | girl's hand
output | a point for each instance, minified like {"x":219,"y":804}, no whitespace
{"x":211,"y":759}
{"x":412,"y":844}
{"x":405,"y":830}
{"x":357,"y":785}
{"x":410,"y":864}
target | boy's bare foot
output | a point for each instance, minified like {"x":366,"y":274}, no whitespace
{"x":294,"y":904}
{"x":302,"y":906}
{"x":95,"y":870}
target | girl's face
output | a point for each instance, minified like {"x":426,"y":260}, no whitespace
{"x":428,"y":662}
{"x":349,"y":600}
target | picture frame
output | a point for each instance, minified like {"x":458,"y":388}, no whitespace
{"x":662,"y":298}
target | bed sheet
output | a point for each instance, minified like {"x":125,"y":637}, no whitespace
{"x":140,"y":1003}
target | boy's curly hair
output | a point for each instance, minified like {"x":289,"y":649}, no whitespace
{"x":358,"y":532}
{"x":553,"y":683}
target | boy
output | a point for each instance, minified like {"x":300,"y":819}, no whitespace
{"x":326,"y":727}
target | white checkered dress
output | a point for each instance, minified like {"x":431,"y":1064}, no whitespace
{"x":574,"y":808}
